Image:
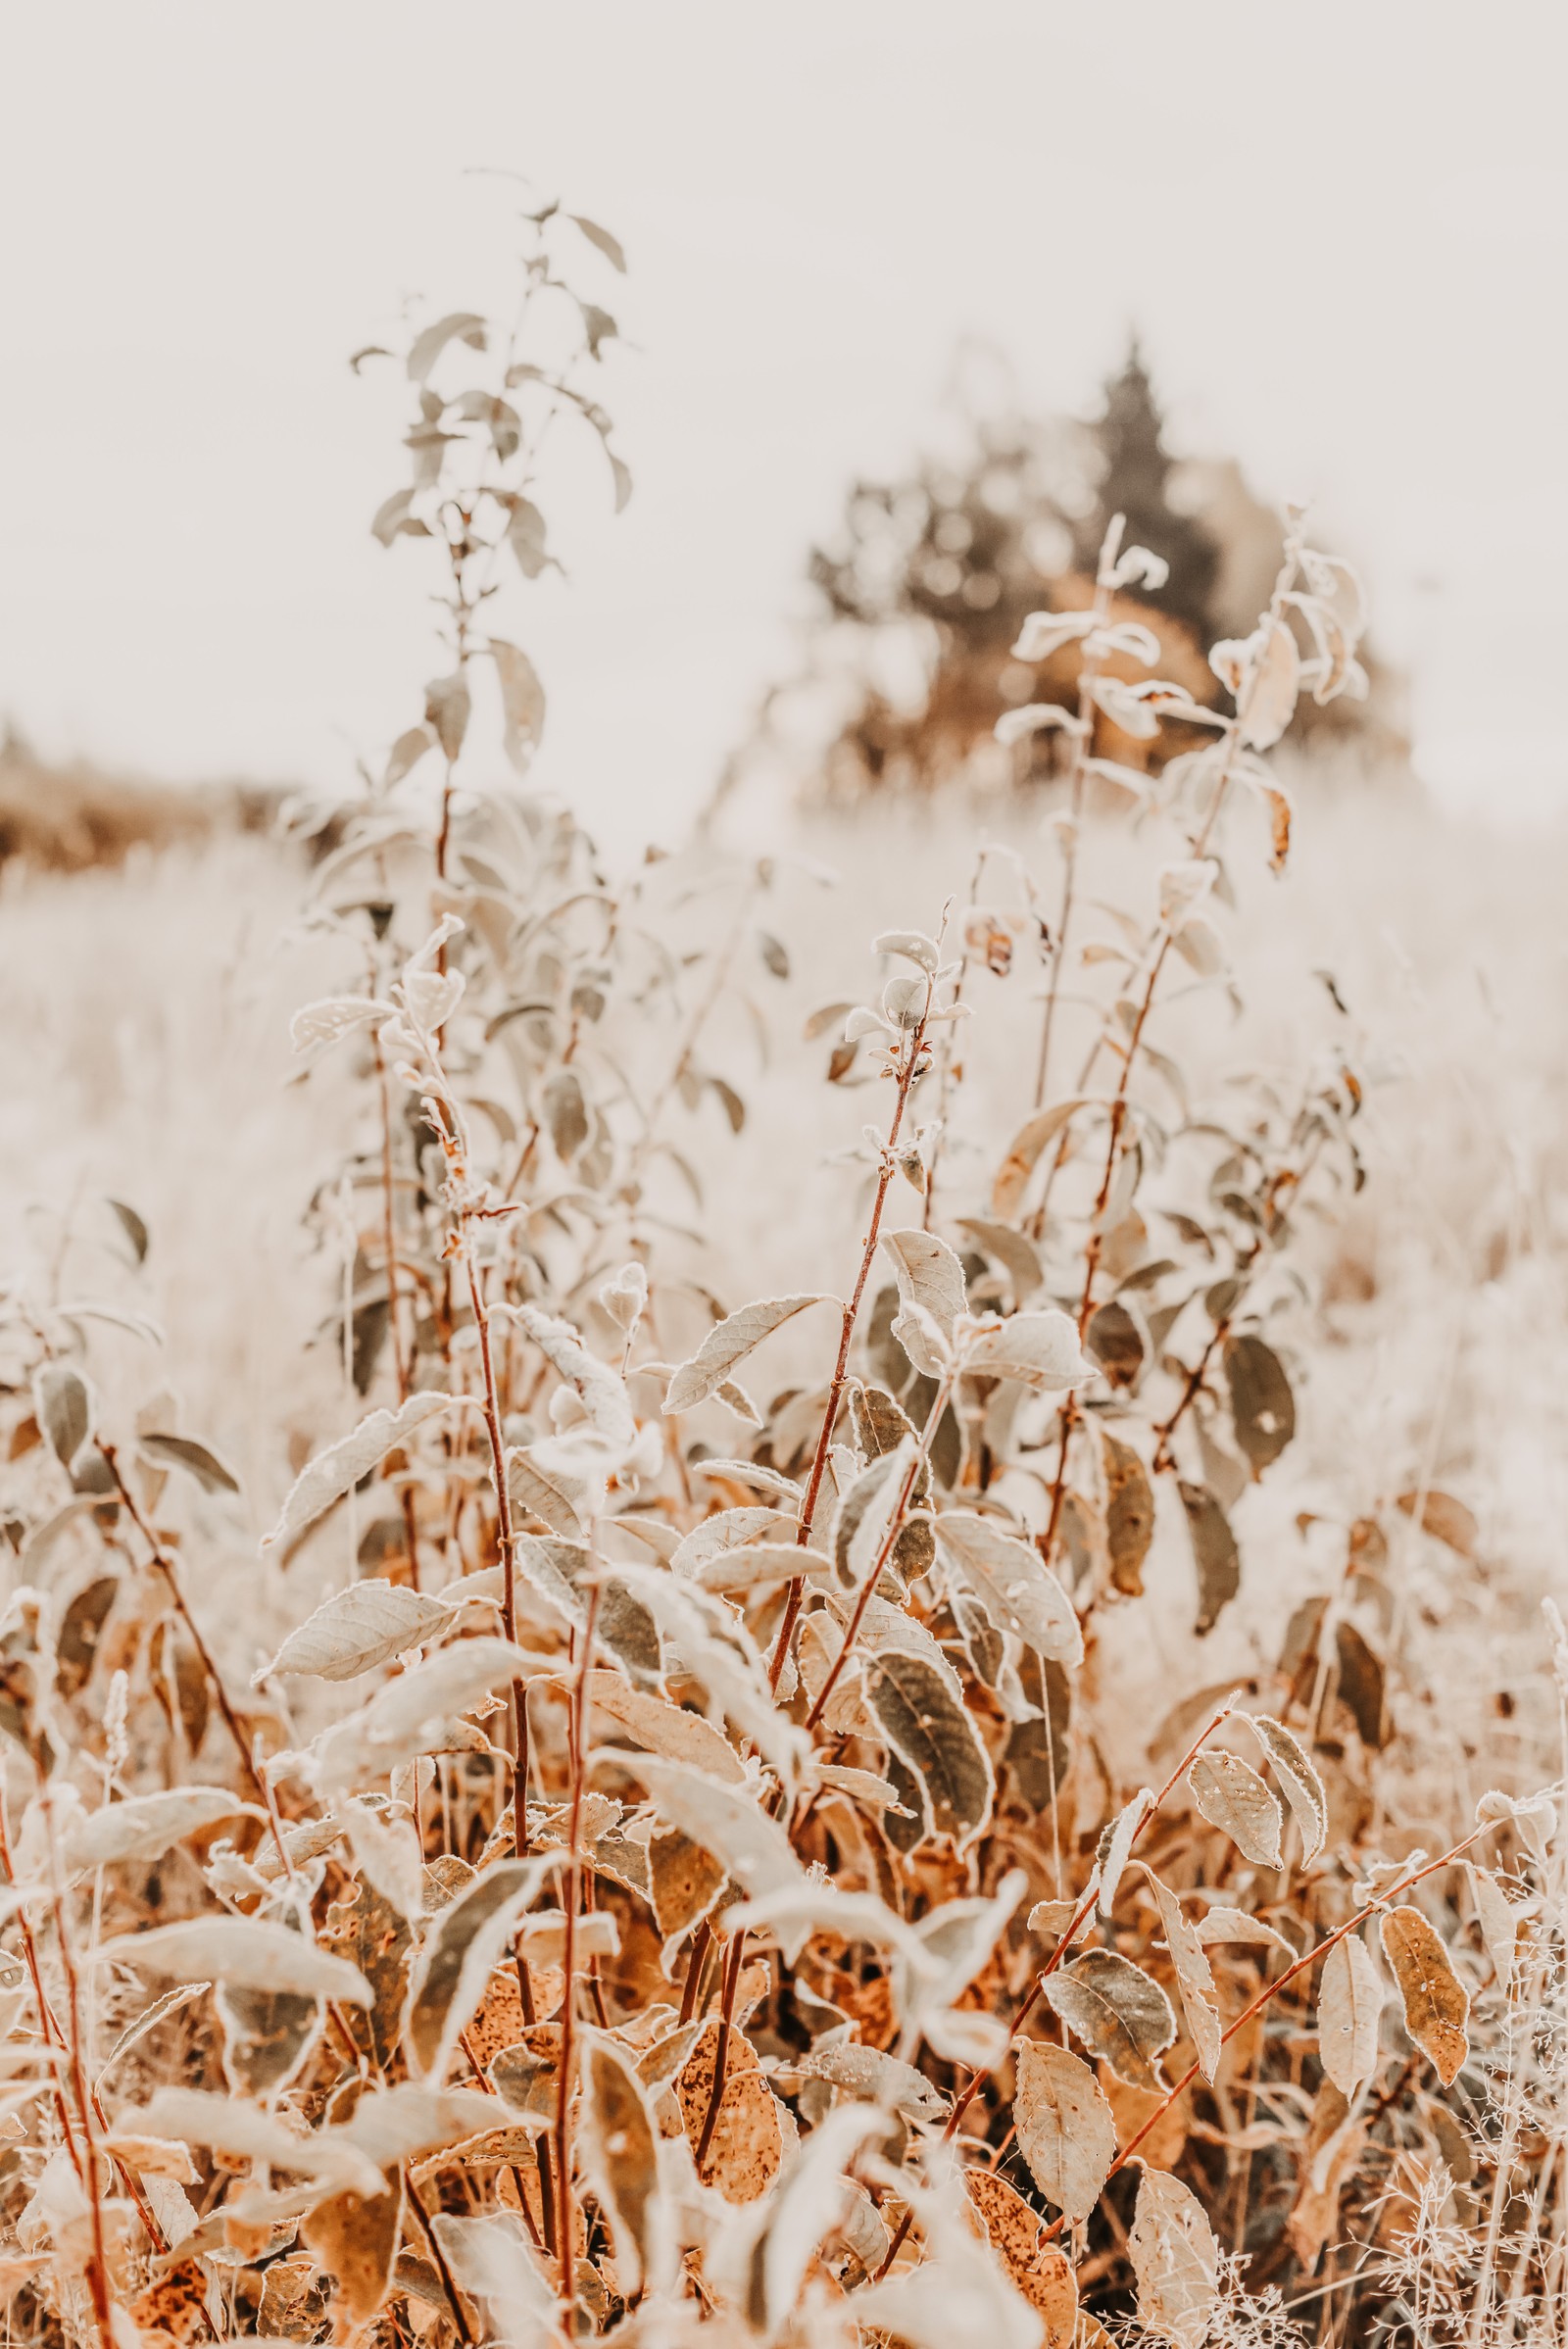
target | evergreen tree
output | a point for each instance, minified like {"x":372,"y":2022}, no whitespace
{"x":1134,"y":481}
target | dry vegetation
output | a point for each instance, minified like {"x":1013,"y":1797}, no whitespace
{"x":901,"y":1693}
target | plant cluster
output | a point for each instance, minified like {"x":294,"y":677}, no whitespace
{"x":681,"y":1882}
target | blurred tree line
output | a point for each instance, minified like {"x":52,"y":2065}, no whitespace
{"x":924,"y":587}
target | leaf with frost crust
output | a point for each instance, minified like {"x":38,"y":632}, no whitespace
{"x":1066,"y":2130}
{"x":1235,"y":1799}
{"x":1350,"y":2003}
{"x":931,"y":1280}
{"x":932,"y":1734}
{"x":232,"y":2124}
{"x":728,"y":1342}
{"x":149,"y":1824}
{"x":339,"y":1468}
{"x":1116,"y":1844}
{"x":600,"y":1391}
{"x":1498,"y":1920}
{"x":1041,"y":1351}
{"x":459,"y":1951}
{"x":1175,"y":2260}
{"x":1194,"y":1979}
{"x":1297,"y":1772}
{"x":355,"y":1629}
{"x":1222,"y":1924}
{"x":1013,"y":1585}
{"x":391,"y":1728}
{"x":619,"y":2147}
{"x":724,"y":1821}
{"x":666,"y":1728}
{"x":1118,"y":2012}
{"x":1437,"y":2004}
{"x":248,"y":1953}
{"x":877,"y":2078}
{"x":404,"y":2123}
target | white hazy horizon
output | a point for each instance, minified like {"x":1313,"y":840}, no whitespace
{"x":1340,"y":232}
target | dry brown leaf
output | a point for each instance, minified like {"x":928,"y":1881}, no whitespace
{"x":620,"y":2152}
{"x":356,"y":2239}
{"x":1129,"y":1514}
{"x":1437,"y":2004}
{"x":748,"y":2141}
{"x":1498,"y":1920}
{"x":1298,"y":1773}
{"x":175,"y":2305}
{"x":1135,"y":2109}
{"x":1039,"y":2271}
{"x":1333,"y":2148}
{"x":1448,"y":1519}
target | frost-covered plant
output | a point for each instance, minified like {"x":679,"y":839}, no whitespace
{"x":680,"y":1878}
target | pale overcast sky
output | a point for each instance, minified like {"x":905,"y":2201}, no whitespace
{"x":1340,"y":229}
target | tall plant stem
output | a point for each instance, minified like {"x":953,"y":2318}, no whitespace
{"x":92,"y":2184}
{"x":568,"y":2017}
{"x":506,"y":1537}
{"x":170,"y":1574}
{"x":896,"y":1525}
{"x":908,"y":1069}
{"x":1087,"y":673}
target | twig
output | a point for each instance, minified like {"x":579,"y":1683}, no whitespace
{"x":909,"y":1069}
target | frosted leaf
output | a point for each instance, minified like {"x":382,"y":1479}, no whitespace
{"x":250,"y":1953}
{"x":1175,"y":2260}
{"x":600,"y":1391}
{"x":460,"y":1950}
{"x":355,"y":1629}
{"x":1236,"y":1800}
{"x":339,"y":1468}
{"x":1041,"y":1351}
{"x":1125,"y":707}
{"x":1066,"y":2131}
{"x":1119,"y":2013}
{"x":913,"y":944}
{"x":729,"y":1343}
{"x":1036,"y":717}
{"x":1350,"y":2001}
{"x":1014,"y":1586}
{"x":148,"y":1825}
{"x":930,"y":1277}
{"x":333,"y":1017}
{"x":1046,"y":632}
